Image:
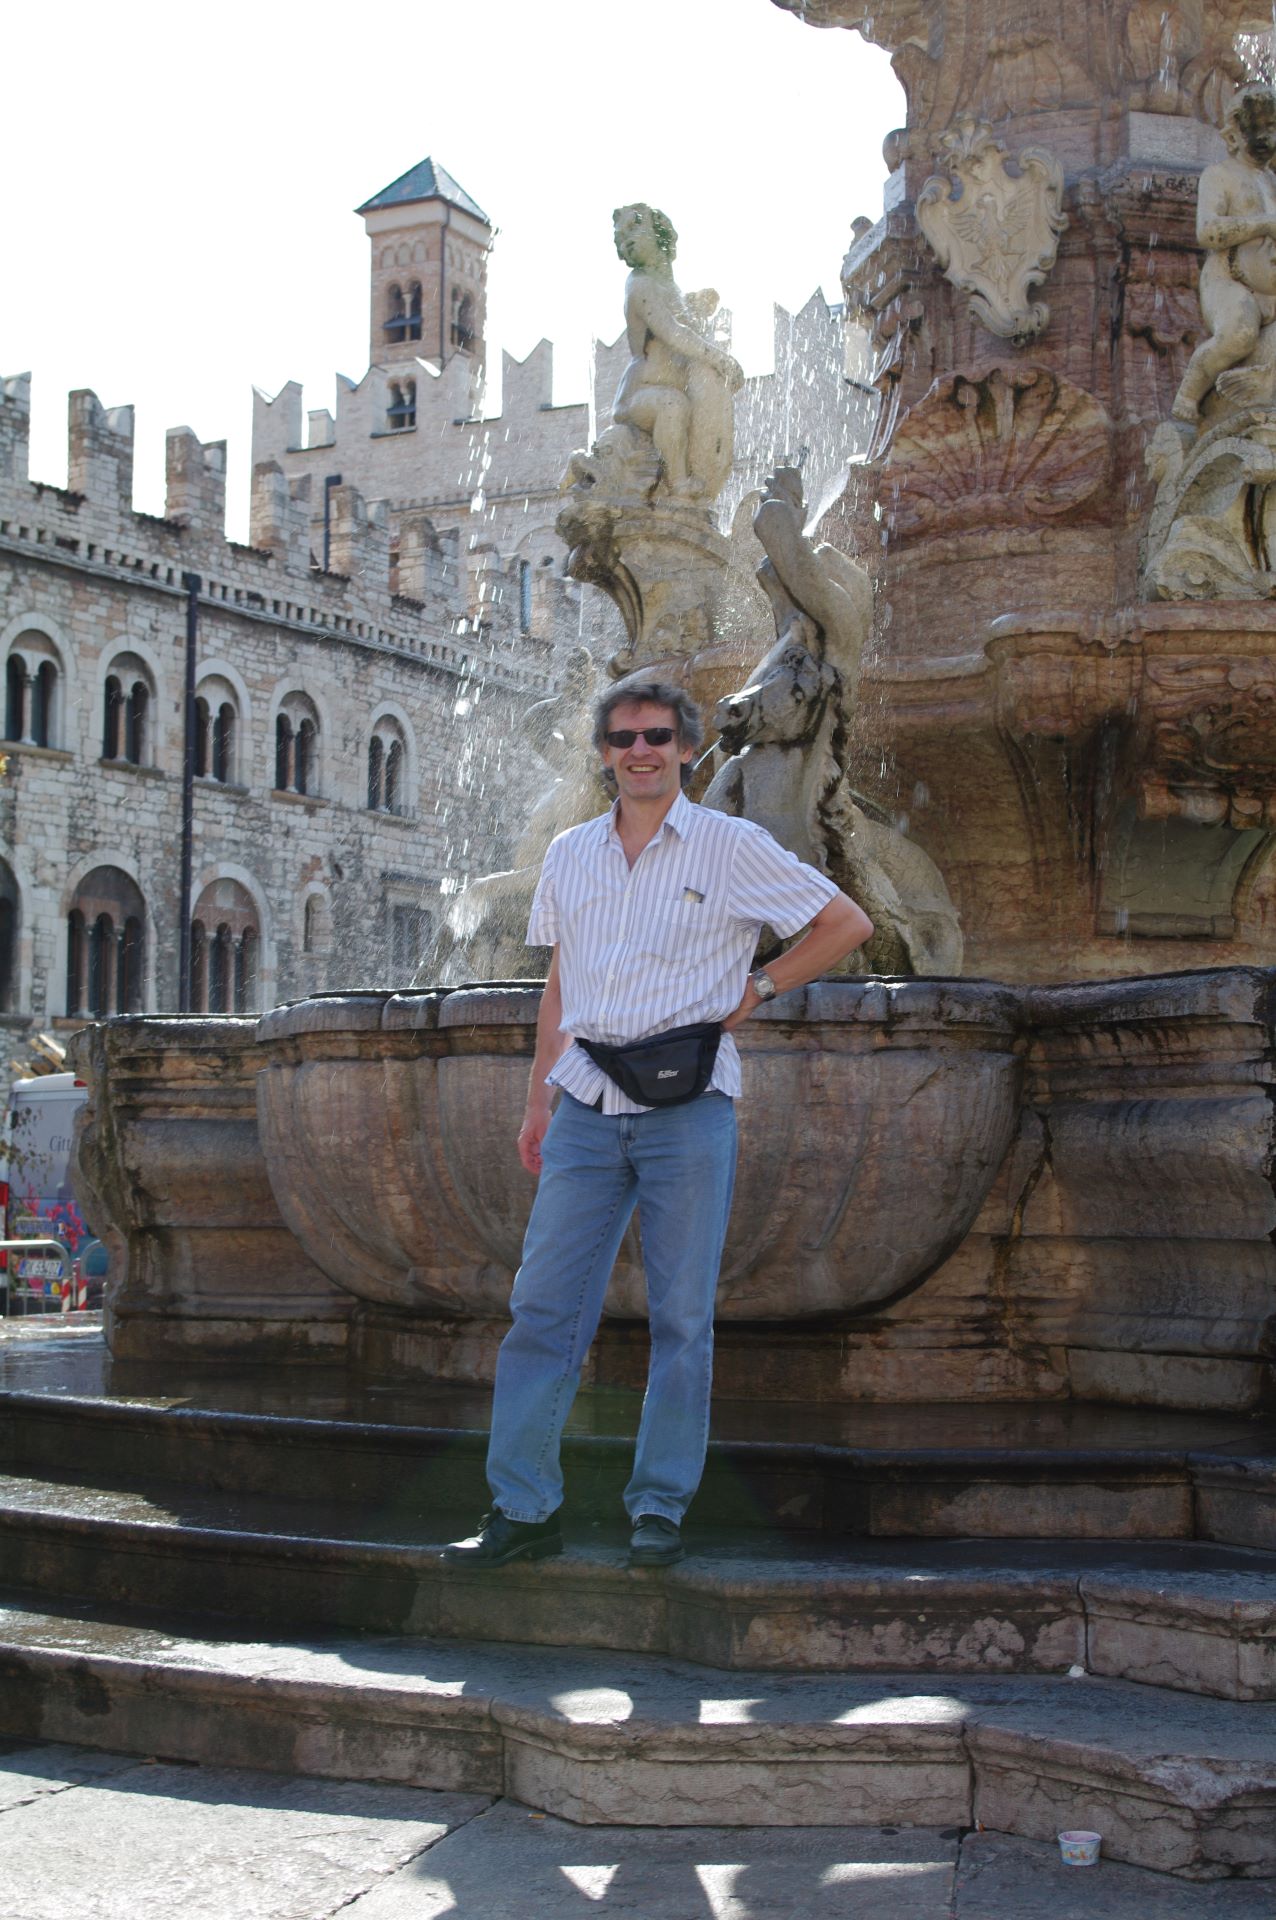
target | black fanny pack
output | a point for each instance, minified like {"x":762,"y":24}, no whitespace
{"x":664,"y":1070}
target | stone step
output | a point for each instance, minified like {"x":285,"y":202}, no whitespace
{"x":932,"y":1472}
{"x":1179,"y":1614}
{"x":1179,"y":1784}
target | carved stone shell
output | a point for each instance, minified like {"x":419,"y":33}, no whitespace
{"x":1008,"y":448}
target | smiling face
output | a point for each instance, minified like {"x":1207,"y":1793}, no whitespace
{"x":645,"y":773}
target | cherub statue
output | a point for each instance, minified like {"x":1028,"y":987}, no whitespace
{"x":675,"y":396}
{"x":1236,"y":224}
{"x":679,"y":384}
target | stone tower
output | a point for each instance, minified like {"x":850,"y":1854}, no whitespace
{"x":430,"y":244}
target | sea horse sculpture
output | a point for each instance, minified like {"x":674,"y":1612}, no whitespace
{"x":787,"y":731}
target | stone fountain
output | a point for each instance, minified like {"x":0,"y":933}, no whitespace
{"x":1075,"y":785}
{"x":998,"y":1311}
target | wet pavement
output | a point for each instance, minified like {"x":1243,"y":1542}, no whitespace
{"x":75,"y":1363}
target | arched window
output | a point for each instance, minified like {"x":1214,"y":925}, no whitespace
{"x":8,"y":939}
{"x":414,"y":311}
{"x":462,"y":320}
{"x":283,"y":753}
{"x":217,"y":729}
{"x":394,"y":777}
{"x":246,"y":972}
{"x":102,"y":972}
{"x":387,"y":763}
{"x":32,"y":681}
{"x":136,"y":702}
{"x":130,"y":966}
{"x":127,"y":705}
{"x":316,"y":927}
{"x":224,"y":964}
{"x":304,"y":756}
{"x":411,"y":938}
{"x":105,"y":955}
{"x":221,"y":960}
{"x":297,"y":767}
{"x":396,"y":318}
{"x":42,"y":689}
{"x":401,"y":411}
{"x":15,"y":697}
{"x":201,"y":737}
{"x":75,"y":962}
{"x":224,"y":743}
{"x":113,"y":707}
{"x":199,"y":967}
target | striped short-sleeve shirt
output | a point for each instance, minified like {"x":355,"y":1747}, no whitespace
{"x":666,"y":942}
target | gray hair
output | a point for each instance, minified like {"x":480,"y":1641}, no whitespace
{"x":639,"y":690}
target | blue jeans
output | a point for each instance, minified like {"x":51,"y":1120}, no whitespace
{"x":678,"y":1165}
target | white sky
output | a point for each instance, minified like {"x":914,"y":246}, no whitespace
{"x":178,"y":221}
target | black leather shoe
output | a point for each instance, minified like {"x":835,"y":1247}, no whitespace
{"x":655,"y":1541}
{"x":500,"y":1540}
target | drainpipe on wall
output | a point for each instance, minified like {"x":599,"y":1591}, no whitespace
{"x":192,"y":583}
{"x":330,"y":481}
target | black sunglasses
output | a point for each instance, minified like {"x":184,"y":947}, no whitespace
{"x":653,"y":736}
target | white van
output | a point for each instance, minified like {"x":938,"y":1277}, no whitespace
{"x":35,"y":1179}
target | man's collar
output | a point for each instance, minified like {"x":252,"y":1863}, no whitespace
{"x":679,"y":818}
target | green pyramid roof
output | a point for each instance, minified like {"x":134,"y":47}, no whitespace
{"x":425,"y":181}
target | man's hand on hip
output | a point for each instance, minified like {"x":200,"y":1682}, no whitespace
{"x":532,"y":1132}
{"x":749,"y":1003}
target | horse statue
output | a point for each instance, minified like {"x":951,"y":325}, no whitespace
{"x":787,"y":733}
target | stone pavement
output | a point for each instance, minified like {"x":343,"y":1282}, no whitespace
{"x":107,"y":1837}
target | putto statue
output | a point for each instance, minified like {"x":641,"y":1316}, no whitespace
{"x":675,"y":396}
{"x":1212,"y":532}
{"x":638,"y":514}
{"x":788,"y":730}
{"x":1236,"y":224}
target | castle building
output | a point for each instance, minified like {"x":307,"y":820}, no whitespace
{"x":345,"y":762}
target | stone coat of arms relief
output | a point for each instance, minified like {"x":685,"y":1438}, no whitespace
{"x":997,"y":235}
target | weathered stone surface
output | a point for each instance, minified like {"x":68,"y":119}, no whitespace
{"x":798,"y":1790}
{"x":435,"y":1220}
{"x":205,"y":1842}
{"x":1236,"y":1499}
{"x":508,"y":1864}
{"x":1212,"y":1631}
{"x":1117,"y":1248}
{"x":168,"y":1166}
{"x":1000,"y":1877}
{"x":29,"y":1773}
{"x":1196,"y":1618}
{"x":1058,"y":1760}
{"x":1185,"y":1785}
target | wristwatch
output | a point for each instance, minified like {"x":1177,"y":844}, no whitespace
{"x":763,"y":985}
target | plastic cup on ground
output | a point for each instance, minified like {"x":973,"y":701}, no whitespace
{"x":1079,"y":1848}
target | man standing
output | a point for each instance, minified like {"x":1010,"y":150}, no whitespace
{"x":653,"y":913}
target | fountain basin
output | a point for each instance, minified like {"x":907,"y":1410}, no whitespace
{"x":875,"y":1115}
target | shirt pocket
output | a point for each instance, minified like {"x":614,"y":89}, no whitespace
{"x":681,"y":932}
